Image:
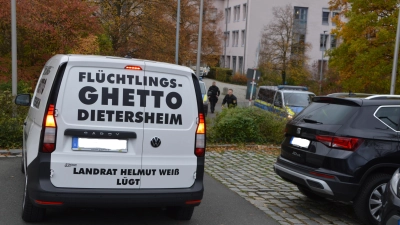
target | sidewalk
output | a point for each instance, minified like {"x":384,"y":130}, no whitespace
{"x":238,"y":90}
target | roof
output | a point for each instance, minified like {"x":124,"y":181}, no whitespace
{"x":355,"y":101}
{"x":154,"y":65}
{"x":286,"y":90}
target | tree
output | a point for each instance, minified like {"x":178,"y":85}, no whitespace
{"x":152,"y":35}
{"x":367,"y":31}
{"x":44,"y":28}
{"x":283,"y":47}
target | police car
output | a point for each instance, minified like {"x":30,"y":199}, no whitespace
{"x":204,"y":96}
{"x":113,"y":132}
{"x":285,"y":100}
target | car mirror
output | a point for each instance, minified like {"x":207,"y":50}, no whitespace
{"x":23,"y":99}
{"x":278,"y":104}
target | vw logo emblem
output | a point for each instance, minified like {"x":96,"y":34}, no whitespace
{"x":155,"y":142}
{"x":298,"y":131}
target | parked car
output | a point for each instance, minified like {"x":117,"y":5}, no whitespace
{"x":204,"y":96}
{"x":391,"y":201}
{"x":344,"y":149}
{"x":283,"y":99}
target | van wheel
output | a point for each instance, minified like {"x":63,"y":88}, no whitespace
{"x":31,"y":213}
{"x":309,"y":193}
{"x":368,"y":203}
{"x":181,"y":213}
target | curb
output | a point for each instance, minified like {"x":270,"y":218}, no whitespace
{"x":10,"y":152}
{"x":235,"y":145}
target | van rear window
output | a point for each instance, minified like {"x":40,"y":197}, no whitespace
{"x":326,"y":113}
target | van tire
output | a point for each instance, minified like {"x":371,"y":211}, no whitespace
{"x":361,"y":202}
{"x":181,"y":213}
{"x":30,"y":212}
{"x":309,"y":193}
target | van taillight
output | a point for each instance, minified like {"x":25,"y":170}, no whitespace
{"x":200,"y":137}
{"x":50,"y":129}
{"x":345,"y":143}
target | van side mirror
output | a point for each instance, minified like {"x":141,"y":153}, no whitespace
{"x":278,"y":104}
{"x":23,"y":100}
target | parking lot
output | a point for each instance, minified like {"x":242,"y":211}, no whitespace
{"x":249,"y":173}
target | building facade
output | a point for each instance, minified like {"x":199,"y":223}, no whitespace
{"x":244,"y":22}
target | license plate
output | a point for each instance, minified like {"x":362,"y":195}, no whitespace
{"x":99,"y":145}
{"x":300,"y":142}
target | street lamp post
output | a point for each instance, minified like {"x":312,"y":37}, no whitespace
{"x":178,"y":21}
{"x":395,"y":58}
{"x":14,"y":47}
{"x":199,"y":40}
{"x":322,"y":62}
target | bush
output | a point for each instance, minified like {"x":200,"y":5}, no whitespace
{"x":11,"y":116}
{"x":246,"y":125}
{"x":239,"y":79}
{"x":223,"y":74}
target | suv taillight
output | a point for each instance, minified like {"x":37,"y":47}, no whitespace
{"x":199,"y":150}
{"x":345,"y":143}
{"x":50,"y":129}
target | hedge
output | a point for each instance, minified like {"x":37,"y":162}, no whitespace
{"x":220,"y":74}
{"x":11,"y":116}
{"x":246,"y":125}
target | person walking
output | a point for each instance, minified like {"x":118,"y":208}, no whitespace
{"x":230,"y":99}
{"x":213,"y":94}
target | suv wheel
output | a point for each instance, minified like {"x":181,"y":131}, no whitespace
{"x":368,"y":203}
{"x":30,"y":212}
{"x":181,"y":213}
{"x":309,"y":193}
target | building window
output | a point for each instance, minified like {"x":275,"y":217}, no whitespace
{"x":243,"y":37}
{"x":227,"y":39}
{"x":333,"y":41}
{"x":235,"y":38}
{"x":301,"y":14}
{"x":325,"y":16}
{"x":323,"y":41}
{"x":333,"y":15}
{"x":244,"y":11}
{"x":234,"y":64}
{"x":236,"y":12}
{"x":228,"y":15}
{"x":240,"y":64}
{"x":228,"y":62}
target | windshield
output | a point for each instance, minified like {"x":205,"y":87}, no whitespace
{"x":203,"y":88}
{"x":298,"y":99}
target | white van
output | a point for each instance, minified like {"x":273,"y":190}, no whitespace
{"x":113,"y":132}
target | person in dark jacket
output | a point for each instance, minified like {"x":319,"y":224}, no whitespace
{"x":213,"y":94}
{"x":230,"y":99}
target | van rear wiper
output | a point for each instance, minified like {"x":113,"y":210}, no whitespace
{"x":311,"y":121}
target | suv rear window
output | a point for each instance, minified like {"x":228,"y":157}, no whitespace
{"x":326,"y":113}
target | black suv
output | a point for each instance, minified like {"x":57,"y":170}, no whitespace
{"x":344,"y":149}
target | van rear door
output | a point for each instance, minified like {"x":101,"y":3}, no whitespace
{"x":169,"y":128}
{"x":99,"y":124}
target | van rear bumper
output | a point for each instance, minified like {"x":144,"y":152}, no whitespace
{"x":41,"y":188}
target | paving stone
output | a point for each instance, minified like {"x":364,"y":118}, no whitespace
{"x":250,"y":174}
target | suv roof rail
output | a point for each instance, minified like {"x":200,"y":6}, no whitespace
{"x":387,"y":97}
{"x":289,"y":87}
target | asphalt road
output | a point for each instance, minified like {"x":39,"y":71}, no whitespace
{"x":220,"y":206}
